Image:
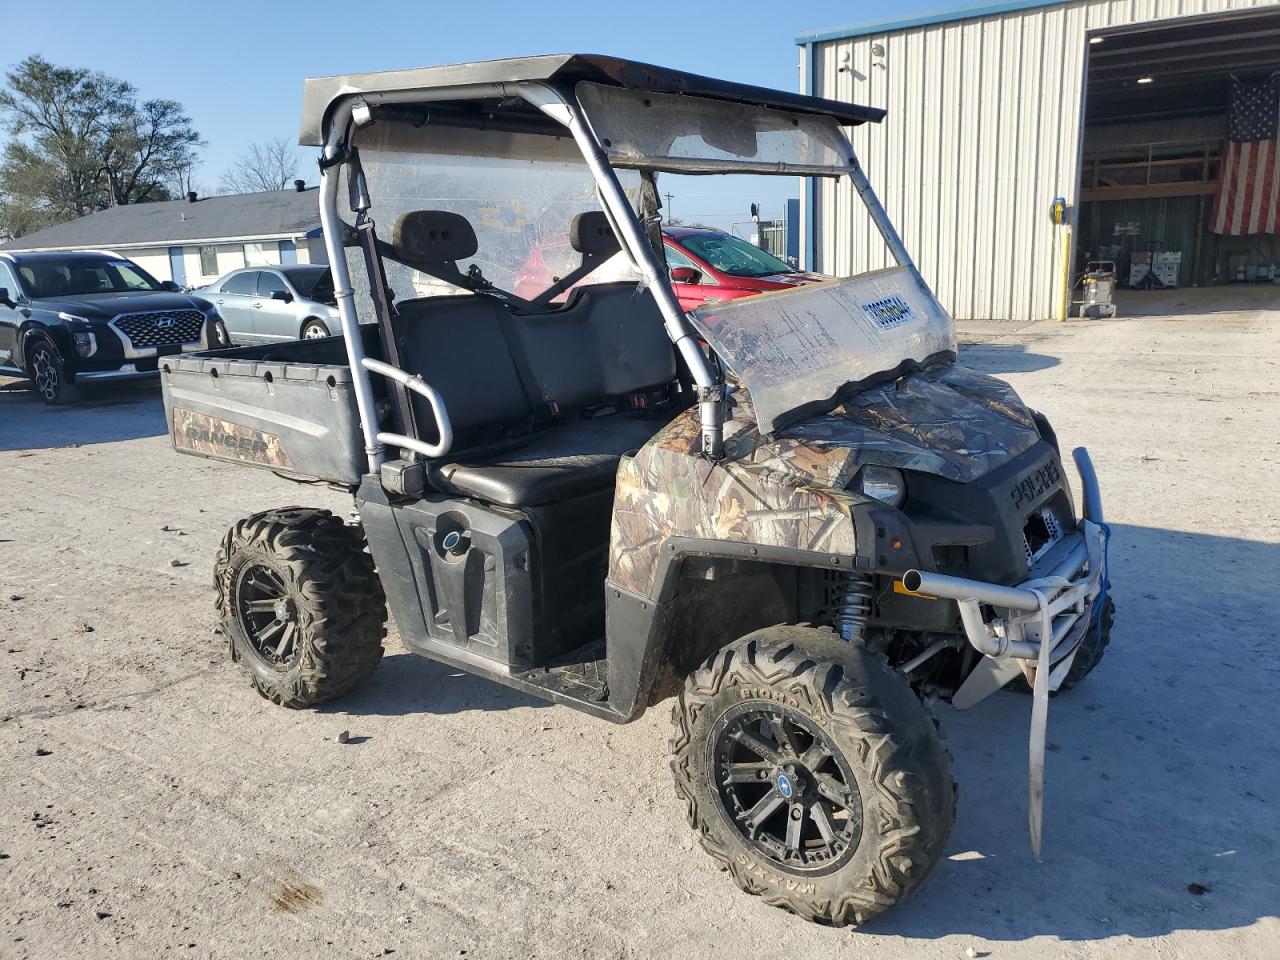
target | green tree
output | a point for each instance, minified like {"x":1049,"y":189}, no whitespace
{"x":81,"y":142}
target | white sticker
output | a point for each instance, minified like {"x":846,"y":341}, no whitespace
{"x":889,"y":312}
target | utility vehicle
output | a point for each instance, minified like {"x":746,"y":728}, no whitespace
{"x":794,"y":513}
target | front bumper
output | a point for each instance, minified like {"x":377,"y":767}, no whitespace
{"x":114,"y":356}
{"x":1054,"y":606}
{"x":127,"y":371}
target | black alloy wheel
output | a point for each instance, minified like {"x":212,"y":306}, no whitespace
{"x":785,"y":786}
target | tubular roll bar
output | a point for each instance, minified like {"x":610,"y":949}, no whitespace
{"x":423,"y":389}
{"x":353,"y":110}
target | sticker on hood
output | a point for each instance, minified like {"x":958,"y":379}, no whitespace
{"x":889,"y":312}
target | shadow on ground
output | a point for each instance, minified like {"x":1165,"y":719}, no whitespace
{"x":1162,"y":772}
{"x":1162,"y":775}
{"x":1004,"y":358}
{"x":406,"y":683}
{"x":104,"y":414}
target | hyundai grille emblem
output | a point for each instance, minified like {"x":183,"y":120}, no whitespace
{"x":163,"y":322}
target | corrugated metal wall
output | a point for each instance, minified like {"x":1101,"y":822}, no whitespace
{"x":983,"y":132}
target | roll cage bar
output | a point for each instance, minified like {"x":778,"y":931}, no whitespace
{"x":351,"y":107}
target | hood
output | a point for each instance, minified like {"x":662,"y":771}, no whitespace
{"x":104,"y":306}
{"x":775,"y":281}
{"x":945,"y":420}
{"x":793,"y":279}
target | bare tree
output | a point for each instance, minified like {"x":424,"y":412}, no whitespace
{"x":264,"y":166}
{"x":183,"y":180}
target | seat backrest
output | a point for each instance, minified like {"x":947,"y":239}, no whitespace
{"x":457,"y":345}
{"x":607,"y":342}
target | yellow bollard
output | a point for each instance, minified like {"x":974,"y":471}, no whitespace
{"x":1064,"y":278}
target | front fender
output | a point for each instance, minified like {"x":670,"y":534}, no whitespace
{"x":39,"y":328}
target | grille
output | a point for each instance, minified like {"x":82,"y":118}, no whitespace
{"x":1041,"y":532}
{"x":151,"y":330}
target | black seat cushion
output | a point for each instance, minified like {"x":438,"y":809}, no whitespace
{"x":606,"y":342}
{"x":457,"y":345}
{"x":554,"y":464}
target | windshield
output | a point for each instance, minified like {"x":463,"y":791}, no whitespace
{"x":667,"y":131}
{"x":733,"y":256}
{"x":795,"y":348}
{"x":519,"y":193}
{"x":315,"y":283}
{"x":79,"y":277}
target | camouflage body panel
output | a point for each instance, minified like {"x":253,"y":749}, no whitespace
{"x":790,"y":491}
{"x":213,"y":437}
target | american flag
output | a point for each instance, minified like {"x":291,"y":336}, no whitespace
{"x":1248,"y":198}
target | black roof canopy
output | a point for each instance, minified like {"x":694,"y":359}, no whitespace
{"x":564,"y":70}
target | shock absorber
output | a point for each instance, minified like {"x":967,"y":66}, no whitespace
{"x":853,"y":594}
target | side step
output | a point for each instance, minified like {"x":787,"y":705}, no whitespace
{"x":580,"y":674}
{"x":578,"y":679}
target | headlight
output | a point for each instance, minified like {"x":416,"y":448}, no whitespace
{"x":218,"y":330}
{"x":86,"y":343}
{"x":881,"y":483}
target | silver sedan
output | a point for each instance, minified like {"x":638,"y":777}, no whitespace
{"x":266,"y":304}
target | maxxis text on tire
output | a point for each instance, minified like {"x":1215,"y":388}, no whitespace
{"x":853,"y":702}
{"x":301,"y":604}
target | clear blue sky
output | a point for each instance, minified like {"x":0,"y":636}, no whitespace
{"x":238,"y":66}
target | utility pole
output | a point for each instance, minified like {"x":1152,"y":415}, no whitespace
{"x":667,"y":195}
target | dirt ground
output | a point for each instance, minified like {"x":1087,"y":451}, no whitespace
{"x":153,"y":805}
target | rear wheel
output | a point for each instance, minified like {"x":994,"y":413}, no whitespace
{"x":49,"y":374}
{"x":314,"y":330}
{"x":813,"y":773}
{"x":300,"y":601}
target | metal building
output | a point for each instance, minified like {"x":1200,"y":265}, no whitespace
{"x":990,"y":112}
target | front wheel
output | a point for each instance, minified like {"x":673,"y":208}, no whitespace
{"x":49,"y":374}
{"x":813,"y":773}
{"x":301,"y":603}
{"x":314,"y":330}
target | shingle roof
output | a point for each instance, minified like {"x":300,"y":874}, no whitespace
{"x":274,"y":213}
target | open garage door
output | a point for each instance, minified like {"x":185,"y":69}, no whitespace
{"x":1180,"y":179}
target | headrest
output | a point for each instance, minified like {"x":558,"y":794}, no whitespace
{"x":591,"y":234}
{"x":433,"y":236}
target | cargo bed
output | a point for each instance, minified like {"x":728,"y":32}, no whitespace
{"x":289,"y":407}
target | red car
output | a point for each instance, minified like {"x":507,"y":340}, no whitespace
{"x":709,"y":265}
{"x":706,"y":265}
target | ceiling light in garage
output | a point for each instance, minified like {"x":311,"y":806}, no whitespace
{"x":1145,"y":80}
{"x":1096,"y":39}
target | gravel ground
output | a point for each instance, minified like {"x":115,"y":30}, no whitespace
{"x":154,"y":805}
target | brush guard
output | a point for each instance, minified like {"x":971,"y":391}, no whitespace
{"x":1041,"y":622}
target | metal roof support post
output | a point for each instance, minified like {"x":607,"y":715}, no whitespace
{"x":887,"y":230}
{"x":711,"y":391}
{"x":342,"y":290}
{"x":809,"y":261}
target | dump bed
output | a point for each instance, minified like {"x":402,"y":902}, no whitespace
{"x":289,"y":407}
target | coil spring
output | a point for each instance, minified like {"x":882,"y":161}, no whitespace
{"x":853,"y":594}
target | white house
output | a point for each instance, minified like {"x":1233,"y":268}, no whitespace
{"x":195,"y":240}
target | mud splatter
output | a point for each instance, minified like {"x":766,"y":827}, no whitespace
{"x":294,"y":895}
